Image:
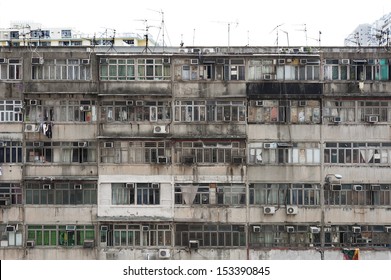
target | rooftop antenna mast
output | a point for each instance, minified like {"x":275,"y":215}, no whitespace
{"x":146,"y":36}
{"x":229,"y":29}
{"x":305,"y":33}
{"x":277,"y":28}
{"x":162,"y":26}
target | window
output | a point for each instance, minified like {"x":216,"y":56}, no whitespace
{"x":10,"y":193}
{"x":284,"y":111}
{"x":134,"y":69}
{"x":136,"y":152}
{"x":284,"y":153}
{"x":60,"y":235}
{"x":284,"y":194}
{"x":357,"y":153}
{"x":356,"y":69}
{"x":358,"y":194}
{"x":210,"y":111}
{"x":231,"y":194}
{"x":12,"y":70}
{"x":210,"y":235}
{"x":61,"y":69}
{"x":10,"y":152}
{"x":234,"y":70}
{"x":136,"y":111}
{"x":66,"y":33}
{"x":77,"y":111}
{"x":135,"y":193}
{"x":192,"y":194}
{"x":136,"y":235}
{"x":61,"y":193}
{"x":291,"y":236}
{"x":61,"y":152}
{"x":11,"y":111}
{"x":208,"y":152}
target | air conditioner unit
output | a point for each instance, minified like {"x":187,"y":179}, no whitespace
{"x":5,"y":201}
{"x":194,"y":61}
{"x":155,"y":186}
{"x":188,"y":159}
{"x":387,"y":229}
{"x":46,"y":186}
{"x":82,"y":144}
{"x":85,"y":108}
{"x":290,"y":229}
{"x":3,"y":60}
{"x":336,"y":119}
{"x":33,"y":102}
{"x":356,"y":229}
{"x":336,"y":187}
{"x":208,"y":50}
{"x":88,"y":243}
{"x":30,"y":243}
{"x":314,"y":229}
{"x":85,"y":61}
{"x":268,"y":77}
{"x":104,"y":228}
{"x":160,"y":129}
{"x":30,"y":128}
{"x":375,"y":187}
{"x":372,"y":119}
{"x":292,"y":210}
{"x":345,"y":61}
{"x":303,"y":61}
{"x":104,"y":61}
{"x":259,"y":103}
{"x":139,"y":103}
{"x":358,"y":187}
{"x":302,"y":103}
{"x":145,"y":228}
{"x":281,"y":61}
{"x":78,"y":187}
{"x":37,"y":60}
{"x":129,"y":103}
{"x":237,"y":160}
{"x":194,"y":244}
{"x":129,"y":185}
{"x":162,"y":160}
{"x":256,"y":228}
{"x":269,"y":210}
{"x":164,"y":253}
{"x":166,"y":60}
{"x":108,"y":144}
{"x":270,"y":145}
{"x":10,"y":228}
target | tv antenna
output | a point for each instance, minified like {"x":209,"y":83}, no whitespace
{"x":162,"y":27}
{"x":229,"y":29}
{"x":146,"y":35}
{"x":305,"y":33}
{"x":108,"y":41}
{"x":277,"y":28}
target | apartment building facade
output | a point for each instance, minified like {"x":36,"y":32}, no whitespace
{"x":194,"y":153}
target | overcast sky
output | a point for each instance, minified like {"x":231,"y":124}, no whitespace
{"x":205,"y":22}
